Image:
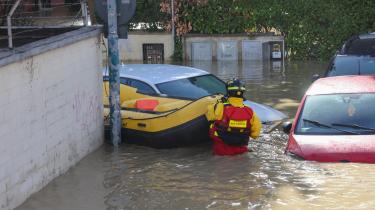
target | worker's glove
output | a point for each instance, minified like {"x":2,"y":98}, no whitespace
{"x":223,"y":99}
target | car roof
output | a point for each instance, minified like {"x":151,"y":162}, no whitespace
{"x":157,"y":73}
{"x":342,"y":84}
{"x":359,"y":45}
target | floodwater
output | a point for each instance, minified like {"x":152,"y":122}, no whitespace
{"x":134,"y":177}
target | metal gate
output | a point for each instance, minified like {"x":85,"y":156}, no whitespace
{"x":201,"y":51}
{"x":153,"y":53}
{"x":227,"y":51}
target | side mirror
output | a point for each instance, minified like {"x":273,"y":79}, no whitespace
{"x":287,"y":126}
{"x":315,"y":77}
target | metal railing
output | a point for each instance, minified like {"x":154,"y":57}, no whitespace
{"x":41,"y":18}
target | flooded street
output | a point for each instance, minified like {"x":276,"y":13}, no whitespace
{"x":134,"y":177}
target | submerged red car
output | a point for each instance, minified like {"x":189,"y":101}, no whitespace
{"x":335,"y":121}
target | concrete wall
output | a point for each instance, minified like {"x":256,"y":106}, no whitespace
{"x":50,"y":113}
{"x":214,"y":39}
{"x":131,"y":49}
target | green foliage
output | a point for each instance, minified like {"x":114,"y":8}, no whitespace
{"x":148,"y":16}
{"x":313,"y":29}
{"x":178,"y":51}
{"x":216,"y":17}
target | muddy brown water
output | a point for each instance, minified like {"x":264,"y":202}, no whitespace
{"x":134,"y":177}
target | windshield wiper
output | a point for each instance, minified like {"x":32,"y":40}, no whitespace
{"x":319,"y":124}
{"x":353,"y":126}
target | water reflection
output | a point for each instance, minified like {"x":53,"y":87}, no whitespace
{"x":200,"y":64}
{"x":254,"y":71}
{"x":227,"y":69}
{"x":270,"y":82}
{"x":192,"y":178}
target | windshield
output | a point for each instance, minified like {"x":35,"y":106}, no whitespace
{"x":193,"y":87}
{"x":340,"y":111}
{"x":352,"y":65}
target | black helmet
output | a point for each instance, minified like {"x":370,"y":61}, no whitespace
{"x":235,"y":88}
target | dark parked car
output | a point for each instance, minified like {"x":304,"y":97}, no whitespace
{"x":356,"y":57}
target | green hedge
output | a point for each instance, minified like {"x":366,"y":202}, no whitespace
{"x":313,"y":29}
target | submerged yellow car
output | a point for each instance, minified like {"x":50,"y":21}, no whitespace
{"x":165,"y":105}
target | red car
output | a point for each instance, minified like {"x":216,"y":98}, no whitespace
{"x":335,"y":121}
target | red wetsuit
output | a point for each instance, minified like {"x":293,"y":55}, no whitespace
{"x":231,"y":134}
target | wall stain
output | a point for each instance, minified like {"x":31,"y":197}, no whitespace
{"x":86,"y":107}
{"x":30,"y":68}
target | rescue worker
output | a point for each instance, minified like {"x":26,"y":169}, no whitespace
{"x":232,"y":122}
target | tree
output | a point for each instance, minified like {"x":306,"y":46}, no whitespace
{"x":313,"y":29}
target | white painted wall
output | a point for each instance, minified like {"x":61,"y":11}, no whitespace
{"x":50,"y":117}
{"x":131,"y":49}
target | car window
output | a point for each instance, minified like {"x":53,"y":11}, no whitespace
{"x":361,"y":47}
{"x":124,"y":81}
{"x":141,"y":87}
{"x":193,"y":87}
{"x":367,"y":65}
{"x":352,"y":65}
{"x":343,"y":66}
{"x":337,"y":109}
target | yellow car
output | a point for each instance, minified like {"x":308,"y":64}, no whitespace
{"x":165,"y":105}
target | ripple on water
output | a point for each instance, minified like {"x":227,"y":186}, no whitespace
{"x":263,"y":179}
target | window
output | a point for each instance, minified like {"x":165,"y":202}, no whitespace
{"x":346,"y":109}
{"x":344,"y":66}
{"x":193,"y":87}
{"x":367,"y":65}
{"x":362,"y":47}
{"x":352,"y":65}
{"x":124,"y":81}
{"x":141,"y":87}
{"x":153,"y":53}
